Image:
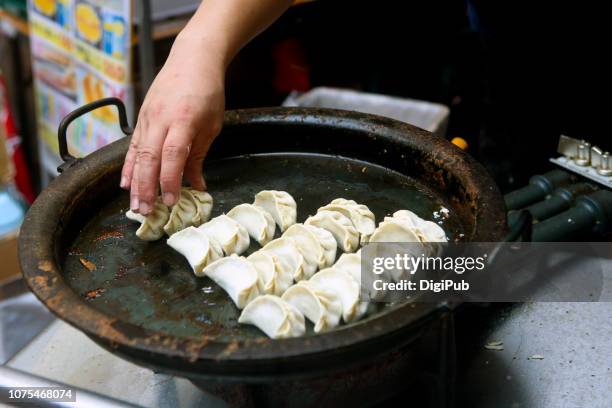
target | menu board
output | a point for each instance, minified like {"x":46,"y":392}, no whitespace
{"x":81,"y":52}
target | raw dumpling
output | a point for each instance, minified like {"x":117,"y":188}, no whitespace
{"x":233,"y":237}
{"x":360,"y":215}
{"x":131,"y":215}
{"x":272,"y":280}
{"x":307,"y":242}
{"x":194,"y":245}
{"x":237,"y":276}
{"x":275,"y":317}
{"x":340,"y":226}
{"x":204,"y":204}
{"x":258,"y":222}
{"x":322,"y":307}
{"x":347,"y":290}
{"x":427,"y":231}
{"x":183,"y":214}
{"x":394,"y":230}
{"x":280,"y":205}
{"x":350,"y":264}
{"x":289,"y":257}
{"x":328,"y":244}
{"x":151,"y":226}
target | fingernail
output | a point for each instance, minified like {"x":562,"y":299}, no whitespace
{"x":144,"y":208}
{"x":134,"y":204}
{"x":168,"y":199}
{"x":124,"y":182}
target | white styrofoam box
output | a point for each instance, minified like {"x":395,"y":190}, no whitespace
{"x":162,"y":9}
{"x":426,"y":115}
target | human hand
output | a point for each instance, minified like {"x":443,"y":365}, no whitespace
{"x":181,"y":115}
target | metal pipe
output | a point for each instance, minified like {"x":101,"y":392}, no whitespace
{"x":591,"y":213}
{"x":539,"y":187}
{"x":12,"y":378}
{"x":560,"y":200}
{"x":145,"y":47}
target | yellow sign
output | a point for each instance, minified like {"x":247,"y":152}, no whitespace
{"x":88,"y":23}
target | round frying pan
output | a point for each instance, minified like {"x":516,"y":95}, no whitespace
{"x":140,"y":300}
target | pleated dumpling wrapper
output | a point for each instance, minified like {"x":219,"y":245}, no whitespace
{"x":204,"y":204}
{"x":307,"y":242}
{"x":280,"y":205}
{"x":258,"y":222}
{"x":233,"y":237}
{"x":359,"y":214}
{"x":321,"y":306}
{"x":272,"y":280}
{"x":351,"y":264}
{"x":399,"y":230}
{"x":289,"y":257}
{"x":345,"y":287}
{"x":151,"y":226}
{"x":275,"y":317}
{"x":236,"y":276}
{"x":340,"y":227}
{"x":328,"y":243}
{"x":394,"y":230}
{"x":192,"y":208}
{"x":195,"y":245}
{"x":427,"y":231}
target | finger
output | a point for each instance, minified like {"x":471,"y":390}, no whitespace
{"x":142,"y":129}
{"x":130,"y":160}
{"x":134,"y":203}
{"x":193,"y":167}
{"x":147,"y":166}
{"x":174,"y":155}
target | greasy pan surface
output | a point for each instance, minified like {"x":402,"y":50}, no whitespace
{"x":81,"y":257}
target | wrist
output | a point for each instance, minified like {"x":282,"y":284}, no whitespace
{"x":198,"y":44}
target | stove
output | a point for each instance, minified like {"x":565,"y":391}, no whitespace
{"x":571,"y":338}
{"x":546,"y":354}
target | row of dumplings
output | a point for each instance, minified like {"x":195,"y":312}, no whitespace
{"x":264,"y":281}
{"x":193,"y":208}
{"x":297,"y":255}
{"x":325,"y":299}
{"x":333,"y":294}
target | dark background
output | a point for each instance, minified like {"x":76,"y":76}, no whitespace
{"x":516,"y":75}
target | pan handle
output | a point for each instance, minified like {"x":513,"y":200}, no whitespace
{"x":62,"y":131}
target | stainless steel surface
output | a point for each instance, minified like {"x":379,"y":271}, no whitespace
{"x":586,"y":160}
{"x":584,"y":154}
{"x":572,"y":338}
{"x":22,"y":317}
{"x":605,"y":167}
{"x":11,"y":378}
{"x":66,"y":355}
{"x":568,"y":146}
{"x":586,"y":171}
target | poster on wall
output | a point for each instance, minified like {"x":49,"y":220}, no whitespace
{"x":81,"y":52}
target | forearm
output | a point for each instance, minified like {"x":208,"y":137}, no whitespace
{"x":182,"y":112}
{"x":223,"y":27}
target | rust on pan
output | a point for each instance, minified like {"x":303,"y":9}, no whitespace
{"x":90,"y":266}
{"x":56,"y":219}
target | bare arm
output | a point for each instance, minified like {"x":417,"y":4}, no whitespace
{"x":183,"y":110}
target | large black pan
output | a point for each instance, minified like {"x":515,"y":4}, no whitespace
{"x":141,"y":301}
